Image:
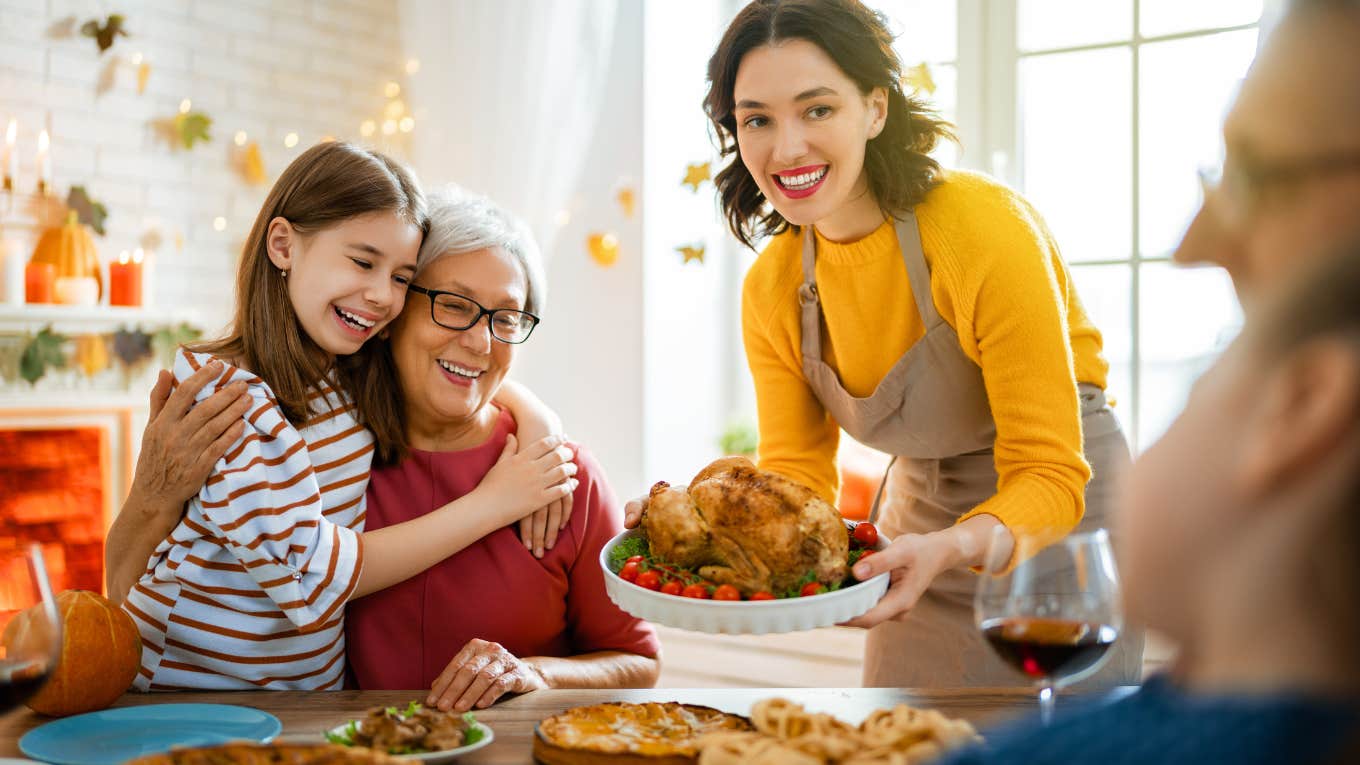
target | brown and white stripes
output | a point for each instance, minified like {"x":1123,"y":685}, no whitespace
{"x":249,"y":590}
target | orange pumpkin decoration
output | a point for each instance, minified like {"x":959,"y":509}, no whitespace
{"x":71,"y":249}
{"x":100,"y":654}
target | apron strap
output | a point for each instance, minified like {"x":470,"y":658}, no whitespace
{"x":878,"y":496}
{"x":810,"y":309}
{"x":918,"y":272}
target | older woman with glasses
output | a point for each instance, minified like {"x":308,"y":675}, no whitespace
{"x":495,"y":617}
{"x":492,"y":619}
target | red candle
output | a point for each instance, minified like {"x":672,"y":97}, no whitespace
{"x":40,"y":281}
{"x":125,"y":280}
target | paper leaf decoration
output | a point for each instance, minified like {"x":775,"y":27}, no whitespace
{"x":695,"y":175}
{"x":252,"y":165}
{"x":131,"y":346}
{"x":43,"y":351}
{"x":91,"y":354}
{"x":191,"y":128}
{"x":143,"y":74}
{"x":692,"y":252}
{"x":90,"y":212}
{"x":604,"y":248}
{"x":627,"y":199}
{"x":919,"y":79}
{"x":104,"y":34}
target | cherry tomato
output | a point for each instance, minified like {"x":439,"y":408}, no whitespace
{"x":629,"y":572}
{"x":762,"y":595}
{"x":812,"y":588}
{"x":634,"y":559}
{"x":696,"y":591}
{"x":866,"y":534}
{"x":726,"y":592}
{"x":673,"y":587}
{"x":649,"y":579}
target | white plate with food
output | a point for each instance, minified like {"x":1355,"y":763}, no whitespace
{"x":414,"y":732}
{"x":741,"y":551}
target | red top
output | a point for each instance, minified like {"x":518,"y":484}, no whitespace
{"x":402,"y":637}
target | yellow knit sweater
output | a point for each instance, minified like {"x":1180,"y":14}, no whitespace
{"x":998,"y":280}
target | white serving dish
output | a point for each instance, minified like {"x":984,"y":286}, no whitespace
{"x":746,"y":617}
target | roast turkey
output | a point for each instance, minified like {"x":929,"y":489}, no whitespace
{"x":755,"y":530}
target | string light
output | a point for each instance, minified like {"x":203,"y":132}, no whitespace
{"x":241,"y":138}
{"x":406,"y":124}
{"x":290,"y":140}
{"x":392,"y":90}
{"x":412,"y":65}
{"x":389,"y":127}
{"x":366,"y":128}
{"x":220,"y":223}
{"x":395,"y":109}
{"x":185,"y":106}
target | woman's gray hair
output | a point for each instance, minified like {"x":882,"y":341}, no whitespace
{"x":461,"y":221}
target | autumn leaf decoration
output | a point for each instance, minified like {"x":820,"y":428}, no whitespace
{"x":42,"y":351}
{"x":192,"y":127}
{"x":89,"y":211}
{"x":104,"y":34}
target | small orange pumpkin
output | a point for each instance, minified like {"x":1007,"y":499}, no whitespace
{"x":71,"y":249}
{"x":101,"y":652}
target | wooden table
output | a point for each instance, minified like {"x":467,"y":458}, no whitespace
{"x":306,"y":714}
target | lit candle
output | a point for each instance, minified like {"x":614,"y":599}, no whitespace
{"x":44,"y":164}
{"x":77,"y":290}
{"x":39,"y":282}
{"x":11,"y":157}
{"x":125,"y":280}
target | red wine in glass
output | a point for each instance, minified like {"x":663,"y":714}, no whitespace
{"x":1049,"y":648}
{"x":30,"y":647}
{"x":1052,"y":615}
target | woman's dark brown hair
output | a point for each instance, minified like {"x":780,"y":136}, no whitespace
{"x":328,"y":184}
{"x":897,"y":161}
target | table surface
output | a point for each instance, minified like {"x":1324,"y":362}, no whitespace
{"x":305,"y":714}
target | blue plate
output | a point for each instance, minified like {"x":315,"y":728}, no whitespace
{"x":116,"y":735}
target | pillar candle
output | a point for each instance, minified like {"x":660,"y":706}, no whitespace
{"x":40,"y":283}
{"x":11,"y":164}
{"x":14,"y":260}
{"x":125,"y":280}
{"x":77,"y":290}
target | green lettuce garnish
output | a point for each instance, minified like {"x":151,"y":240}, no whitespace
{"x":475,"y":732}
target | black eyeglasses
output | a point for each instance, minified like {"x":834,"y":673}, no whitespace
{"x":1242,"y":182}
{"x":459,"y":312}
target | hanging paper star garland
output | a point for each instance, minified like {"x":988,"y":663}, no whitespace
{"x":919,"y":79}
{"x":692,"y":252}
{"x":695,"y":175}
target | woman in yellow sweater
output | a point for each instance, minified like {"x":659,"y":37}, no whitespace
{"x":927,"y":313}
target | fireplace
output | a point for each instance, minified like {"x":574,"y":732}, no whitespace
{"x":63,"y":474}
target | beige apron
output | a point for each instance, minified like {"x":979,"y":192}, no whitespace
{"x":931,"y":412}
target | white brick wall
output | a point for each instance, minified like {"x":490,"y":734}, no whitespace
{"x":268,"y":67}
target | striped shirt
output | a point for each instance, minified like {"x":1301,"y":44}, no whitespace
{"x":249,"y":589}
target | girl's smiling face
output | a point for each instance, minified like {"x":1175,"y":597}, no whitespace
{"x":348,"y":281}
{"x":802,"y":126}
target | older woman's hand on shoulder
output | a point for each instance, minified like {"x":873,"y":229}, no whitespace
{"x":481,"y":673}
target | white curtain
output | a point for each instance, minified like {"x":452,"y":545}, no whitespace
{"x":507,"y":97}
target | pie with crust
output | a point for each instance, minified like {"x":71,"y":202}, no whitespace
{"x":620,"y":733}
{"x":269,"y":754}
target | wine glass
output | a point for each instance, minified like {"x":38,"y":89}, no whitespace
{"x":1055,"y":615}
{"x":30,"y":630}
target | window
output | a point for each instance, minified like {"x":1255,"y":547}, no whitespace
{"x":1116,"y":105}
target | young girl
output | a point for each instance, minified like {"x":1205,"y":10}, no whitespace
{"x":1241,"y":541}
{"x":249,"y":589}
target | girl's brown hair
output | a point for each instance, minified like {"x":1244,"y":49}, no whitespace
{"x":329,"y":183}
{"x":897,"y":161}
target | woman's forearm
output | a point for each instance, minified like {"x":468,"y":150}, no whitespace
{"x":601,"y":669}
{"x":139,"y":527}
